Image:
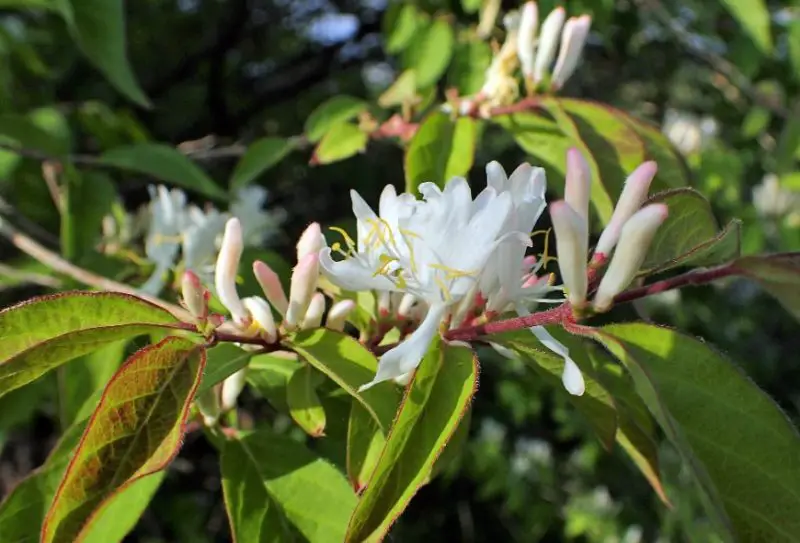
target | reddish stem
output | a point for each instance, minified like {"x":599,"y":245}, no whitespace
{"x":556,"y":315}
{"x":691,"y":278}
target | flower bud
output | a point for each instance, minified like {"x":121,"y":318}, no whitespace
{"x":231,"y":388}
{"x":572,"y":41}
{"x":526,"y":39}
{"x":634,"y":241}
{"x":571,"y":243}
{"x":313,"y":317}
{"x":311,"y":241}
{"x":384,"y":303}
{"x":271,"y":285}
{"x":261,"y":314}
{"x":551,"y":29}
{"x":577,"y":185}
{"x":208,"y":404}
{"x":227,"y":266}
{"x":338,"y":314}
{"x":634,"y":193}
{"x":405,"y":305}
{"x":304,"y":284}
{"x":195,"y":296}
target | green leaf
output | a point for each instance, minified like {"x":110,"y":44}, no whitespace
{"x":402,"y":91}
{"x":788,"y":143}
{"x":794,"y":47}
{"x":754,"y":17}
{"x":440,"y":150}
{"x":349,"y":364}
{"x":778,"y":274}
{"x":595,"y":404}
{"x":22,"y":131}
{"x":275,"y":489}
{"x":340,"y":142}
{"x":436,"y":399}
{"x":89,"y":197}
{"x":471,"y":6}
{"x":756,"y":122}
{"x":335,"y":110}
{"x":738,"y":444}
{"x":303,"y":401}
{"x":468,"y":70}
{"x":602,"y":201}
{"x":690,"y":234}
{"x":400,"y":23}
{"x":98,"y":27}
{"x":40,"y":334}
{"x":430,"y":52}
{"x":365,"y":443}
{"x":269,"y":375}
{"x":135,"y":431}
{"x":222,"y":361}
{"x":165,"y":163}
{"x":261,"y":155}
{"x":672,"y":170}
{"x":86,"y":378}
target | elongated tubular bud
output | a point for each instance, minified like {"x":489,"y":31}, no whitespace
{"x":551,"y":29}
{"x":304,"y":284}
{"x":231,"y":388}
{"x":227,"y":266}
{"x":338,"y":314}
{"x":571,"y":243}
{"x":271,"y":285}
{"x":195,"y":296}
{"x":261,"y":314}
{"x":405,"y":305}
{"x":526,"y":39}
{"x":577,"y":185}
{"x":311,"y":241}
{"x":313,"y":317}
{"x":637,"y":234}
{"x":572,"y":41}
{"x":634,"y":193}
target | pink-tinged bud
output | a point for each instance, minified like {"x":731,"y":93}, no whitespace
{"x":528,"y":263}
{"x":261,"y":314}
{"x":316,"y":308}
{"x":551,"y":29}
{"x":637,"y":234}
{"x":572,"y":41}
{"x":311,"y":241}
{"x":227,"y":267}
{"x":231,"y":388}
{"x":338,"y":314}
{"x":634,"y":193}
{"x":572,"y":242}
{"x":195,"y":296}
{"x":304,"y":284}
{"x":271,"y":285}
{"x":526,"y":39}
{"x":384,"y":304}
{"x":405,"y":305}
{"x":208,"y":405}
{"x":577,"y":186}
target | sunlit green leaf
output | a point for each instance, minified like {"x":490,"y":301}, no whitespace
{"x":342,"y":141}
{"x":430,"y":52}
{"x":365,"y":442}
{"x":303,"y":401}
{"x":269,"y":375}
{"x":400,"y":22}
{"x":261,"y":155}
{"x":470,"y":62}
{"x":222,"y":361}
{"x":333,"y":111}
{"x":754,"y":17}
{"x":439,"y":150}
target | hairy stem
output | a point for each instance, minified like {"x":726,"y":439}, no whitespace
{"x":695,"y":277}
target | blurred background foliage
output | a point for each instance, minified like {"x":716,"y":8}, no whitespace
{"x":720,"y":77}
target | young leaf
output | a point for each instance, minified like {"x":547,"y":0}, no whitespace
{"x":304,"y":404}
{"x":98,"y":27}
{"x":261,"y":155}
{"x":275,"y":489}
{"x":136,"y":430}
{"x":436,"y":399}
{"x":742,"y":449}
{"x":165,"y":163}
{"x":342,"y":141}
{"x":350,"y":365}
{"x":41,"y":334}
{"x":430,"y":52}
{"x":440,"y":150}
{"x":336,"y":110}
{"x":778,"y":274}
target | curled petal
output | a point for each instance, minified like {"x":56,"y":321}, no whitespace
{"x":227,"y":266}
{"x":352,"y":273}
{"x":571,"y":376}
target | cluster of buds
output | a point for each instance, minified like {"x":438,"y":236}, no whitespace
{"x":631,"y":230}
{"x":533,"y":49}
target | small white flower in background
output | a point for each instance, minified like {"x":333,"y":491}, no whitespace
{"x":688,"y":132}
{"x":257,"y":224}
{"x":500,"y":86}
{"x":200,"y":238}
{"x":772,"y":200}
{"x":167,"y":208}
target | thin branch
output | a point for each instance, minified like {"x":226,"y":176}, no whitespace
{"x":695,"y":277}
{"x":29,"y":277}
{"x":556,"y":315}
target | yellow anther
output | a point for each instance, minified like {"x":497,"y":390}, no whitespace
{"x":444,"y":288}
{"x":347,"y":239}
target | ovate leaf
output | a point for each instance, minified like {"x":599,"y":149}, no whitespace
{"x":468,"y":70}
{"x":261,"y":155}
{"x":779,"y":274}
{"x":135,"y":431}
{"x":39,"y":335}
{"x":275,"y":489}
{"x":740,"y":447}
{"x":430,"y":52}
{"x":164,"y":163}
{"x":81,"y":385}
{"x":672,"y":170}
{"x":754,"y":17}
{"x":439,"y":150}
{"x":223,"y":360}
{"x":340,"y":142}
{"x":305,"y":406}
{"x":365,"y":442}
{"x":437,"y":398}
{"x":335,"y":110}
{"x":269,"y":375}
{"x":400,"y":23}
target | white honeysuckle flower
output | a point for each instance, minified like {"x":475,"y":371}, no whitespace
{"x":257,"y":224}
{"x":199,"y":236}
{"x":772,"y":200}
{"x":338,"y":314}
{"x":226,"y":270}
{"x":573,"y":39}
{"x":500,"y":86}
{"x":313,"y":316}
{"x":526,"y":38}
{"x":434,"y":249}
{"x":635,"y":239}
{"x":270,"y":283}
{"x":302,"y":289}
{"x":548,"y":42}
{"x":163,"y":234}
{"x":262,"y":318}
{"x":688,"y":132}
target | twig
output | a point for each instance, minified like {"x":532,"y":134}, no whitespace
{"x":557,"y":315}
{"x":29,"y":277}
{"x":695,"y":277}
{"x":53,"y":261}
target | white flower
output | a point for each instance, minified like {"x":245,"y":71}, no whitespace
{"x":434,"y":249}
{"x":573,"y":39}
{"x":163,"y":233}
{"x":526,"y":39}
{"x":772,"y":200}
{"x":551,"y":30}
{"x":200,"y":233}
{"x":257,"y":224}
{"x":688,"y":132}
